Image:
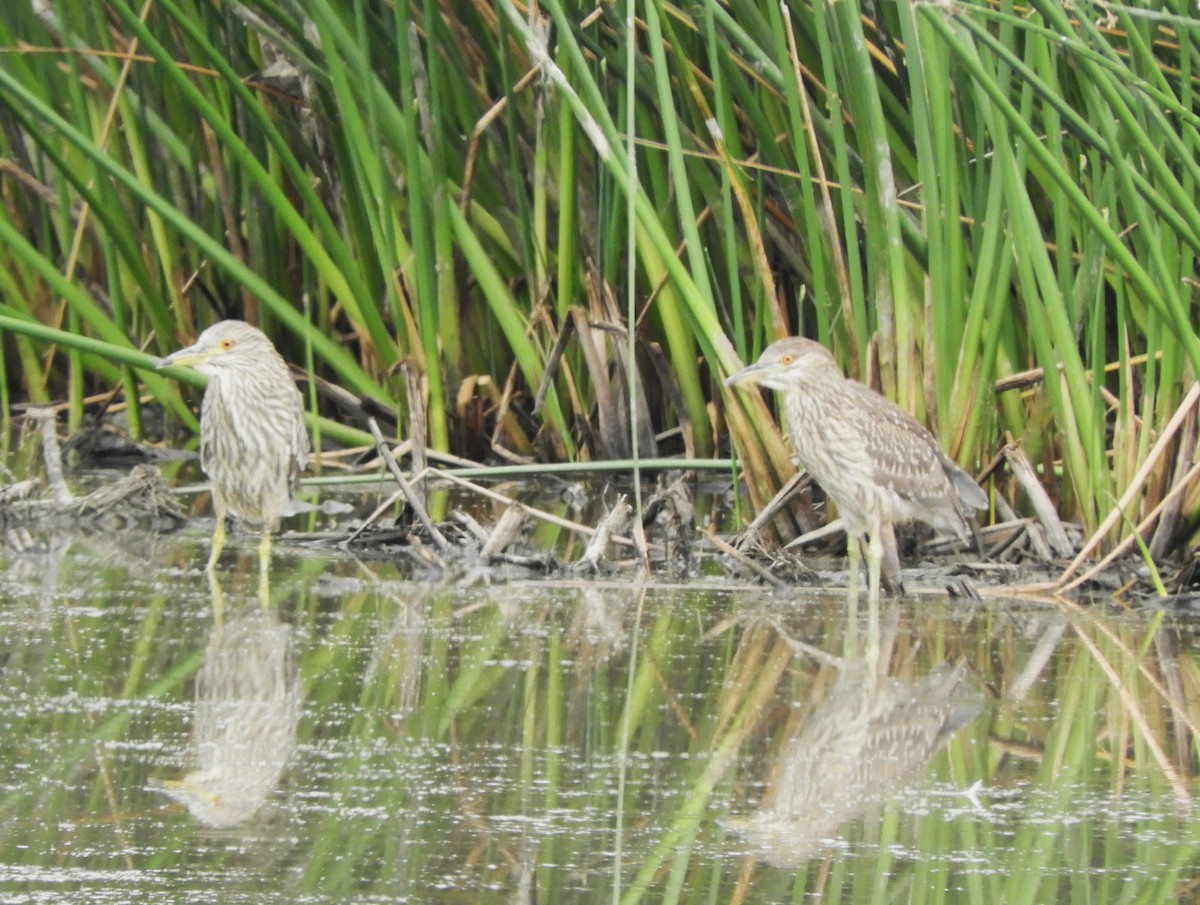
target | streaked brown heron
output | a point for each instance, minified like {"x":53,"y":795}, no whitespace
{"x":873,"y":459}
{"x":253,"y":443}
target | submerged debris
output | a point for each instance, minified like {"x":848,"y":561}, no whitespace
{"x":506,"y":531}
{"x":670,"y":517}
{"x":613,"y":524}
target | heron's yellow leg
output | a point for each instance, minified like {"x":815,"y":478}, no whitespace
{"x":874,"y":565}
{"x":854,"y":560}
{"x":890,"y":577}
{"x":264,"y":570}
{"x":218,"y":538}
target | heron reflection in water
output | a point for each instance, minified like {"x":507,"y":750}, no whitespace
{"x":248,"y":698}
{"x":868,"y":740}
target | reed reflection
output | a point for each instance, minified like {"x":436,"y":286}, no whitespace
{"x":248,"y":699}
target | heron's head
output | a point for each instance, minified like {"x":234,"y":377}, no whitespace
{"x":787,"y":364}
{"x":225,"y":346}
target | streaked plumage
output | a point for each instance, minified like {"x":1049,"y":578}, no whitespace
{"x":253,"y":443}
{"x":873,"y":459}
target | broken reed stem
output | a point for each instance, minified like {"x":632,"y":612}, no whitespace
{"x":1131,"y":538}
{"x":373,"y":517}
{"x":1152,"y":458}
{"x":52,"y":455}
{"x":609,"y":528}
{"x":406,"y":488}
{"x":532,"y":510}
{"x":775,"y":506}
{"x":507,"y":527}
{"x":1022,"y":470}
{"x":1029,"y":377}
{"x":741,"y":558}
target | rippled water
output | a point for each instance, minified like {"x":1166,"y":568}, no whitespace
{"x":369,"y":738}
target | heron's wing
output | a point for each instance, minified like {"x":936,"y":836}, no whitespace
{"x":905,"y":456}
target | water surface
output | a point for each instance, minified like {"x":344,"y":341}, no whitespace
{"x":372,"y":738}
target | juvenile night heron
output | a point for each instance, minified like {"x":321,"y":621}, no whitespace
{"x":253,"y":444}
{"x":870,"y":456}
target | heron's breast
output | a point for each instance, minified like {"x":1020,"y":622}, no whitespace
{"x":246,"y":449}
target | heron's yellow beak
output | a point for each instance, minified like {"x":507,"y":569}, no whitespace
{"x":190,"y":357}
{"x":751,"y":374}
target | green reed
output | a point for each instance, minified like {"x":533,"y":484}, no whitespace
{"x":388,"y":184}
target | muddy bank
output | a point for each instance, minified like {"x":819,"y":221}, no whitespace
{"x":546,"y":526}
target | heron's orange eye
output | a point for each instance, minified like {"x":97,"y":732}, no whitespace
{"x":227,"y":344}
{"x":787,"y":359}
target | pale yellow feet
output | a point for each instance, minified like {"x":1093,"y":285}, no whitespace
{"x":218,"y":542}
